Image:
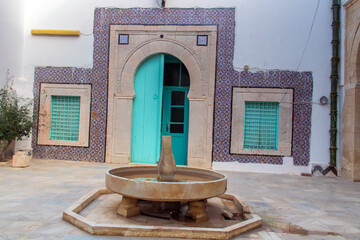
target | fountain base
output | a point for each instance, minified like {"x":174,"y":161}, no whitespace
{"x":129,"y":207}
{"x":96,"y":214}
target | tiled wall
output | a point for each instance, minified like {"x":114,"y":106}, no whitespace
{"x":301,"y":82}
{"x":96,"y":149}
{"x":226,"y":78}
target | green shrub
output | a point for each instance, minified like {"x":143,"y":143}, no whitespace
{"x":16,"y":119}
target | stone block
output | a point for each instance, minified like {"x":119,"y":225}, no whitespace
{"x":128,"y":207}
{"x":21,"y":159}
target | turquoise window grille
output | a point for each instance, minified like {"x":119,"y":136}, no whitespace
{"x":261,"y":125}
{"x":65,"y":116}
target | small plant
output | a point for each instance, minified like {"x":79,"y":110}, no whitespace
{"x":16,"y":119}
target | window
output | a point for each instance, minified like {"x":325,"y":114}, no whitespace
{"x":64,"y":114}
{"x":261,"y":125}
{"x":175,"y":73}
{"x":261,"y":121}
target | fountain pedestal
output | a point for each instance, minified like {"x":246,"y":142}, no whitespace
{"x":197,"y":211}
{"x":128,"y":207}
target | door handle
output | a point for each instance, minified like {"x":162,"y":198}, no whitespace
{"x":167,"y":127}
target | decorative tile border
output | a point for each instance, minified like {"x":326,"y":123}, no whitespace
{"x":226,"y":78}
{"x":323,"y":170}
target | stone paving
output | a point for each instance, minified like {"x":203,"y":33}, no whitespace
{"x":292,"y":207}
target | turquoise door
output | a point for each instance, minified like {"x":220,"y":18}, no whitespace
{"x":175,"y":121}
{"x":175,"y":115}
{"x":147,"y":105}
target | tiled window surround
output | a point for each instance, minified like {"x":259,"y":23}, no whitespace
{"x":226,"y":79}
{"x":66,"y":127}
{"x":242,"y":96}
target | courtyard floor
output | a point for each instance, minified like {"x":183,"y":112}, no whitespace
{"x":33,"y":199}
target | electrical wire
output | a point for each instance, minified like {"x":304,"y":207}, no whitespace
{"x":308,"y":38}
{"x":306,"y":44}
{"x":157,"y":2}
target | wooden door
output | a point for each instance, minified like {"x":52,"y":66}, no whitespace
{"x":147,"y":105}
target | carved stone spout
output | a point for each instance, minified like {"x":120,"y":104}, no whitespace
{"x":166,"y":165}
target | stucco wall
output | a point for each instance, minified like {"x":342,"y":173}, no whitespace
{"x":12,"y":34}
{"x":268,"y":35}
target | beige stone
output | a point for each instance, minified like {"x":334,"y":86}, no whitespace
{"x":166,"y":164}
{"x":191,"y":184}
{"x":128,"y":207}
{"x":122,"y":130}
{"x":21,"y":159}
{"x":283,"y":97}
{"x":46,"y":91}
{"x":197,"y":211}
{"x":124,"y":60}
{"x":351,"y":112}
{"x":103,"y":223}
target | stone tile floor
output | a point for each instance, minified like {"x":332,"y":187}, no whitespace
{"x":292,"y":207}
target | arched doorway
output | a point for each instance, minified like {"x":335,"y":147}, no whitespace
{"x":160,"y":108}
{"x":125,"y":60}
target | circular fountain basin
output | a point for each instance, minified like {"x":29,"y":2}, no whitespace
{"x":191,"y":184}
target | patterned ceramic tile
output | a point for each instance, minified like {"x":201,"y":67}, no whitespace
{"x":226,"y":79}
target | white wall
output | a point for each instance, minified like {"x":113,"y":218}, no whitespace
{"x":11,"y":35}
{"x":277,"y":40}
{"x":270,"y":34}
{"x":11,"y":49}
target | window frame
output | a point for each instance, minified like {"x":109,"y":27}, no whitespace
{"x":46,"y":91}
{"x":252,"y":127}
{"x":285,"y":99}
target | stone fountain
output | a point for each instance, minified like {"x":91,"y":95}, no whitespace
{"x":165,"y":183}
{"x":163,"y":201}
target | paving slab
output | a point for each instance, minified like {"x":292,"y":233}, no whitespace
{"x":292,"y":207}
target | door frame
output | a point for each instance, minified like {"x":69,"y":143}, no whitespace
{"x":186,"y":113}
{"x":200,"y":61}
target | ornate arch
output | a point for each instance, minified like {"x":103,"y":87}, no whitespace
{"x":125,"y":81}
